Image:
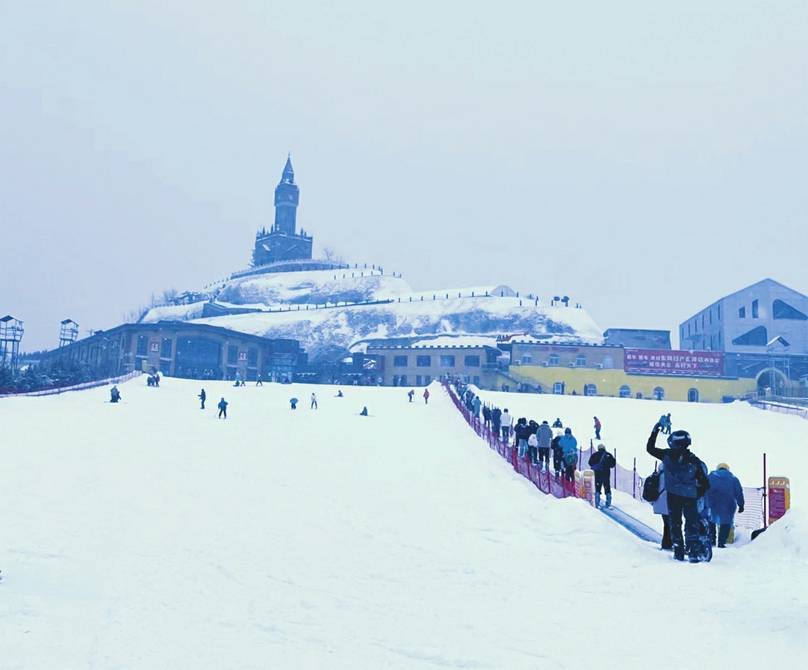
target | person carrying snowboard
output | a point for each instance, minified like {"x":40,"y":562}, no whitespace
{"x":685,"y":482}
{"x":602,"y":463}
{"x":222,"y":409}
{"x":202,"y":397}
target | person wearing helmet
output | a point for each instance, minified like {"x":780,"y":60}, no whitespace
{"x":725,"y":497}
{"x":602,"y":463}
{"x":685,"y":482}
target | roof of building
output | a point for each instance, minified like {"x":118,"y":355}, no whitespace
{"x":765,"y":280}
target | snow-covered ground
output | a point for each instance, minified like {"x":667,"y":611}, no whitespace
{"x":149,"y":534}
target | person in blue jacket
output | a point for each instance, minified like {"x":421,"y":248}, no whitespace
{"x":724,"y":497}
{"x":569,"y":453}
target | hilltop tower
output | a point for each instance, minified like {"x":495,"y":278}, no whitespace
{"x":283,"y":242}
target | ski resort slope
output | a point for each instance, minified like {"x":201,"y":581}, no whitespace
{"x":734,"y":433}
{"x":149,"y":534}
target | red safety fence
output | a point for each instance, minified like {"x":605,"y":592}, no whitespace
{"x":623,"y":479}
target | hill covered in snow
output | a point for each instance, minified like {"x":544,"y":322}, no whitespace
{"x":303,"y":306}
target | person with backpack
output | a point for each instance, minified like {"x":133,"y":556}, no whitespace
{"x":544,"y":437}
{"x":507,"y":422}
{"x":602,"y":463}
{"x":598,"y":427}
{"x":569,"y":452}
{"x":222,"y":408}
{"x":724,"y":498}
{"x":496,"y":420}
{"x":686,"y":482}
{"x":202,"y":397}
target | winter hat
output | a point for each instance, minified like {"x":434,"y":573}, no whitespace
{"x":722,"y":466}
{"x":568,"y":431}
{"x":601,"y":446}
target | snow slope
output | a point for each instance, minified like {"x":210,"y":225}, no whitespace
{"x":150,"y":535}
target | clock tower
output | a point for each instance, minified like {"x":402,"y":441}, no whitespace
{"x":283,"y":242}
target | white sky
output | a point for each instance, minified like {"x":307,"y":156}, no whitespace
{"x":643,"y":158}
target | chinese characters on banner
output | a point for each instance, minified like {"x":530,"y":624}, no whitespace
{"x":669,"y":362}
{"x":779,"y":497}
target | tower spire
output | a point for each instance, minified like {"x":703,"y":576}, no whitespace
{"x":288,"y":176}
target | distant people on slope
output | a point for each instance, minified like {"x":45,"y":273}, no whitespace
{"x":426,"y":396}
{"x":557,"y":424}
{"x":114,"y":394}
{"x":602,"y":463}
{"x":222,"y":409}
{"x":598,"y":427}
{"x":686,"y":482}
{"x":258,"y":381}
{"x":340,"y":394}
{"x":724,"y":498}
{"x":202,"y":397}
{"x":364,"y":411}
{"x":665,"y":424}
{"x":293,"y":403}
{"x":411,"y":394}
{"x":313,"y":404}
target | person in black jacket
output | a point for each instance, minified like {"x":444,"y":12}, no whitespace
{"x":496,"y":420}
{"x":202,"y":397}
{"x":602,"y":463}
{"x":558,"y":455}
{"x":685,"y":482}
{"x":487,"y":416}
{"x":222,"y":408}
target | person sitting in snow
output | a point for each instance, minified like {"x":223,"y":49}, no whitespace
{"x":364,"y":411}
{"x":602,"y":463}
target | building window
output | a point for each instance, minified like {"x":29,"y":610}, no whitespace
{"x":608,"y":362}
{"x":165,"y":348}
{"x":580,"y":361}
{"x":590,"y":389}
{"x":399,"y":361}
{"x":403,"y":380}
{"x":757,"y":337}
{"x":558,"y":388}
{"x":553,"y":360}
{"x":702,"y":320}
{"x":423,"y":361}
{"x":719,"y":311}
{"x":472,"y":361}
{"x":755,"y":309}
{"x":142,"y":345}
{"x":232,"y":354}
{"x":659,"y":393}
{"x":782,"y":310}
{"x":252,"y":357}
{"x":742,"y":312}
{"x":447,"y":361}
{"x":625,"y":391}
{"x":427,"y":380}
{"x":418,"y":380}
{"x":527,"y":359}
{"x":693,"y":395}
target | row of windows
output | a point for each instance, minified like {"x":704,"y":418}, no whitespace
{"x":781,"y":310}
{"x":559,"y":388}
{"x":554,"y":360}
{"x":426,"y":380}
{"x":444,"y":361}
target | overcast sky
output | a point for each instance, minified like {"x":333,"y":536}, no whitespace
{"x":643,"y":158}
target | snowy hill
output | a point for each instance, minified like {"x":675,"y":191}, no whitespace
{"x":293,"y":305}
{"x":152,"y":535}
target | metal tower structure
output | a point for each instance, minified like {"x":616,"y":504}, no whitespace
{"x":11,"y":331}
{"x":68,"y":333}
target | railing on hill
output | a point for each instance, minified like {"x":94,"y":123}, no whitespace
{"x":623,"y":479}
{"x":781,"y":407}
{"x":75,"y":387}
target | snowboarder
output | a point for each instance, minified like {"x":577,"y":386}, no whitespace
{"x":602,"y":463}
{"x":313,"y":404}
{"x":426,"y":396}
{"x":598,"y":426}
{"x":544,"y":436}
{"x":685,"y":482}
{"x":411,"y":394}
{"x":222,"y":409}
{"x":665,"y":424}
{"x":569,"y":451}
{"x":114,"y":394}
{"x":364,"y":411}
{"x":724,"y":497}
{"x":202,"y":397}
{"x":506,"y":420}
{"x":293,"y":403}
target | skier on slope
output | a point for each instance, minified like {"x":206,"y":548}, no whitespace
{"x":685,"y":482}
{"x":222,"y":409}
{"x":202,"y":397}
{"x":598,"y":428}
{"x":411,"y":394}
{"x":602,"y":463}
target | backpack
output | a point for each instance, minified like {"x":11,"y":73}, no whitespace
{"x":650,"y":487}
{"x":532,"y":441}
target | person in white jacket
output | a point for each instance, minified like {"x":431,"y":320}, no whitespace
{"x":506,"y":421}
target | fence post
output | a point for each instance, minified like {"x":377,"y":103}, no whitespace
{"x":634,"y":480}
{"x":765,"y":493}
{"x":615,"y":468}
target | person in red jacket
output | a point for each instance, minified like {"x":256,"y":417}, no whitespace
{"x":598,"y":426}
